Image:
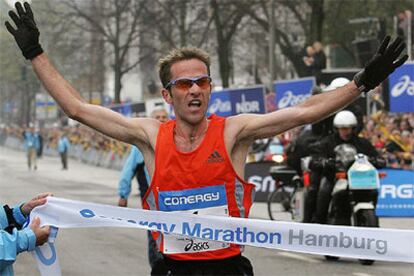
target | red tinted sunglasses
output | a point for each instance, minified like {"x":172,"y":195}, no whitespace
{"x":186,"y":83}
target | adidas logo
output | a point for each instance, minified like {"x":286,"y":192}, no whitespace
{"x":215,"y":157}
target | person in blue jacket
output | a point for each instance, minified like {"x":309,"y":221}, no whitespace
{"x":32,"y":145}
{"x":135,"y":166}
{"x":63,"y":147}
{"x":14,"y":239}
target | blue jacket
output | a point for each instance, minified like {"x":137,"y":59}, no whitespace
{"x":134,"y":160}
{"x":31,"y":140}
{"x":13,"y":244}
{"x":63,"y":144}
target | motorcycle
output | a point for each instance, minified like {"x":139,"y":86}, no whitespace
{"x":355,"y":192}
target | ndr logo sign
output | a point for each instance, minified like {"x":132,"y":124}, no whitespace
{"x":245,"y":106}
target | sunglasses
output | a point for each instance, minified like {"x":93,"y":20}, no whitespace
{"x":186,"y":83}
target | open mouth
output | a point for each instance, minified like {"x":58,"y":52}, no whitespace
{"x":194,"y":104}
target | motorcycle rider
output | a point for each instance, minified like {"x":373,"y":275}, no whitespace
{"x":320,"y":129}
{"x":323,"y":161}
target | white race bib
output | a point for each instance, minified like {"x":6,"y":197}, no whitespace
{"x":210,"y":200}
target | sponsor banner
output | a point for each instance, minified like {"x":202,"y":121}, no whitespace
{"x":396,"y":194}
{"x":342,"y":241}
{"x":191,"y":199}
{"x":293,"y":92}
{"x":248,"y":100}
{"x":257,"y":173}
{"x":401,"y":86}
{"x":230,"y":102}
{"x":220,"y":104}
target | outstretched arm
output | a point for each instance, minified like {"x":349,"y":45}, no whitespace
{"x":384,"y":62}
{"x":102,"y":119}
{"x":255,"y":126}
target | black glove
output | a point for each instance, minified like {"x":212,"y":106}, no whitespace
{"x":26,"y":34}
{"x":381,"y":65}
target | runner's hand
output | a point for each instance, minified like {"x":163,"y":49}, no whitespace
{"x":26,"y":34}
{"x":381,"y":65}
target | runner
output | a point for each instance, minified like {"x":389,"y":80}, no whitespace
{"x":196,"y":163}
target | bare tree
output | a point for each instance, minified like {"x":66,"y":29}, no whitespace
{"x":227,"y":18}
{"x":180,"y":23}
{"x":168,"y":24}
{"x":117,"y":21}
{"x":308,"y":16}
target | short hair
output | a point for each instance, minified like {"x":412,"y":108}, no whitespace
{"x":179,"y":54}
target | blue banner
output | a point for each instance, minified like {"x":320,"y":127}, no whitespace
{"x":293,"y":92}
{"x":401,"y":86}
{"x":248,"y":100}
{"x":230,"y":102}
{"x":396,"y":194}
{"x":220,"y":104}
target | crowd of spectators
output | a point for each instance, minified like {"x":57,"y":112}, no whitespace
{"x":77,"y":135}
{"x":392,"y":134}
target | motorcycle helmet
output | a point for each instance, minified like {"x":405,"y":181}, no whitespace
{"x":338,"y":82}
{"x":345,"y":118}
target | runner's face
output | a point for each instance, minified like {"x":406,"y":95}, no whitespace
{"x":190,"y":105}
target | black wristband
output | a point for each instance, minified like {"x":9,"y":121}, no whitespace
{"x":32,"y":52}
{"x":10,"y":220}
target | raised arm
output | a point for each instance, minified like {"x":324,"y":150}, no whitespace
{"x":100,"y":118}
{"x":26,"y":34}
{"x":384,"y":62}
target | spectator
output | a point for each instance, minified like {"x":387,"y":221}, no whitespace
{"x":319,"y":61}
{"x":39,"y":151}
{"x":32,"y":145}
{"x":63,"y":147}
{"x":14,"y":239}
{"x":308,"y":60}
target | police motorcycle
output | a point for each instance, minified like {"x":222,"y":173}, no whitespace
{"x":355,"y":191}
